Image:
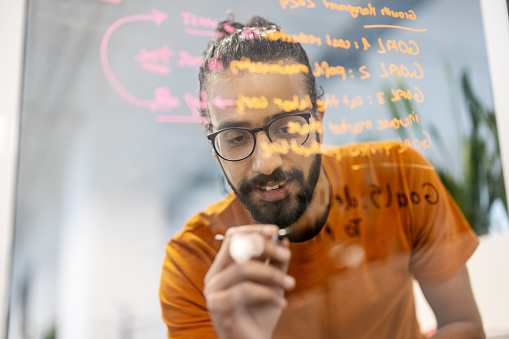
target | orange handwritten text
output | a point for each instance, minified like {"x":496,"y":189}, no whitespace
{"x":295,"y":104}
{"x":283,"y":147}
{"x":328,"y":71}
{"x":354,"y":11}
{"x":338,"y":42}
{"x":297,"y":3}
{"x":402,"y":71}
{"x":301,"y":37}
{"x":250,"y":102}
{"x":346,"y":44}
{"x":365,"y":74}
{"x":354,"y":102}
{"x":402,"y":15}
{"x":345,"y":127}
{"x":313,"y":126}
{"x":355,"y":150}
{"x":397,"y":27}
{"x":416,"y":143}
{"x":400,"y":46}
{"x":330,"y":100}
{"x":260,"y":67}
{"x":364,"y":150}
{"x":399,"y":94}
{"x":397,"y":123}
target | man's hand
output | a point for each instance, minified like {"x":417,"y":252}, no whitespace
{"x":245,"y":300}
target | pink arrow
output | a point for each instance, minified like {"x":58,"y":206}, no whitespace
{"x":181,"y":119}
{"x":158,"y":18}
{"x":223,"y":103}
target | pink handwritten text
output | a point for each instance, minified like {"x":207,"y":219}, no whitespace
{"x":157,"y":60}
{"x":190,"y":19}
{"x":229,"y":28}
{"x":163,"y":100}
{"x":187,"y":60}
{"x":193,"y":103}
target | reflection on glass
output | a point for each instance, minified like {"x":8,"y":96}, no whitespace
{"x":113,"y":163}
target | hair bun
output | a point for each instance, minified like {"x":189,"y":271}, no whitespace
{"x":261,"y":23}
{"x":229,"y":26}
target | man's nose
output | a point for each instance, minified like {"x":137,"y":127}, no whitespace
{"x":262,"y":161}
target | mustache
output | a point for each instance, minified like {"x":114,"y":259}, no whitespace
{"x":278,"y":176}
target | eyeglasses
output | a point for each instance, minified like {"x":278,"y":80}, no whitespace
{"x":237,"y":143}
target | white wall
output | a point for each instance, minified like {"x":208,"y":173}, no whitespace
{"x":495,"y":17}
{"x":12,"y":20}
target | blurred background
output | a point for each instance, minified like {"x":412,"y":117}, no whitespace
{"x":113,"y":160}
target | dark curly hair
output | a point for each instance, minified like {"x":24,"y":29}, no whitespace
{"x":232,"y":45}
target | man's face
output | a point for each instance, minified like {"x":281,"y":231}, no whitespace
{"x":276,"y":189}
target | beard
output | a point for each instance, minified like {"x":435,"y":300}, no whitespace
{"x":286,"y":211}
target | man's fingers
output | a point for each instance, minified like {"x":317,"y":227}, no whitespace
{"x":246,"y":246}
{"x":279,"y":254}
{"x":244,"y":294}
{"x":224,"y":257}
{"x":253,"y":271}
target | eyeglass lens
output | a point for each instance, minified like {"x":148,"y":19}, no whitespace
{"x":288,"y":132}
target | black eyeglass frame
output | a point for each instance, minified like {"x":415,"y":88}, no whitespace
{"x":253,"y":131}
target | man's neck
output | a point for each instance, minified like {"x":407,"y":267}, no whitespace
{"x":313,"y":219}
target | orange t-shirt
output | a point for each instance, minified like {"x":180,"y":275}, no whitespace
{"x":390,"y":219}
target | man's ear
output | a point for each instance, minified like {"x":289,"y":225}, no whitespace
{"x":214,"y":154}
{"x":319,"y":115}
{"x":319,"y":119}
{"x":208,"y":128}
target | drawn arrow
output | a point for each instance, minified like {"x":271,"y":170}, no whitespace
{"x":158,"y":18}
{"x":222,"y":103}
{"x":182,"y":119}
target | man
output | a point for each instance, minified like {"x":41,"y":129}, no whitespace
{"x":363,"y":220}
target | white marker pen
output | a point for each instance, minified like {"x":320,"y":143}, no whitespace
{"x":244,"y":247}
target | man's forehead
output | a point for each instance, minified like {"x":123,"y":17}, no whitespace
{"x":252,"y":97}
{"x":246,"y":81}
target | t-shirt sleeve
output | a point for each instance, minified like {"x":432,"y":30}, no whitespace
{"x":181,"y":290}
{"x":442,"y":239}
